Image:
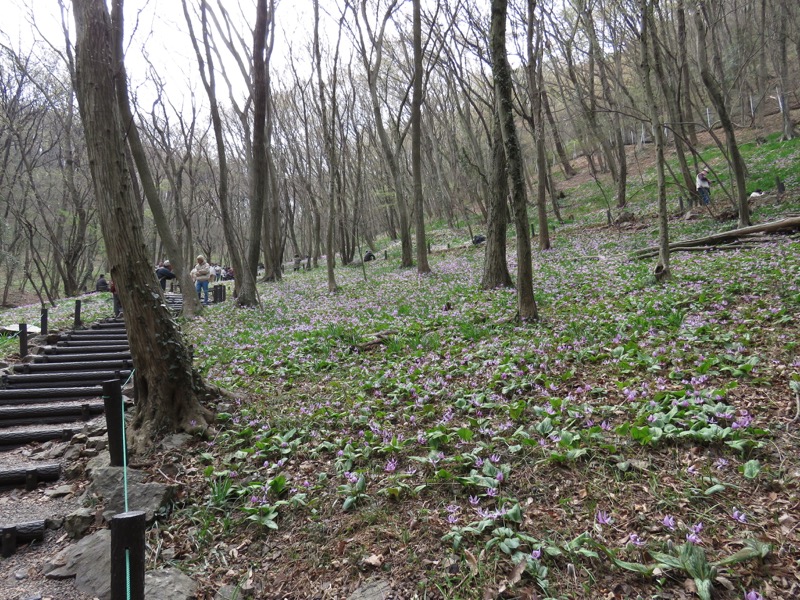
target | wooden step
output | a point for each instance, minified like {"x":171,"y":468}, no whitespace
{"x":49,"y":413}
{"x":29,"y":475}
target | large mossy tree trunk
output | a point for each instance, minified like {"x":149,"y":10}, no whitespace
{"x":503,"y":86}
{"x":168,"y":387}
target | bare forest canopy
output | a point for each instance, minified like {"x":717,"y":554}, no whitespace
{"x":306,"y":146}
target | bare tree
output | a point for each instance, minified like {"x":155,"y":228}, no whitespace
{"x":702,"y":19}
{"x":526,"y":303}
{"x":168,"y":387}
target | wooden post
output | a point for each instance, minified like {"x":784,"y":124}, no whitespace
{"x":115,"y":420}
{"x":43,"y":325}
{"x":533,"y":231}
{"x":429,"y":247}
{"x":385,"y":255}
{"x":23,"y":340}
{"x":9,"y":540}
{"x":127,"y":555}
{"x":77,"y":314}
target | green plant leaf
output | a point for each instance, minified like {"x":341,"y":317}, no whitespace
{"x":752,"y":468}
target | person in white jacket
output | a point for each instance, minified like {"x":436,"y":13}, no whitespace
{"x":201,"y":275}
{"x":703,"y":186}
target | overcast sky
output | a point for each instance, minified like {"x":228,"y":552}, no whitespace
{"x":157,"y":27}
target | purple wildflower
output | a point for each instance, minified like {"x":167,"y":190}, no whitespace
{"x":602,"y":517}
{"x":391,"y":465}
{"x":474,"y":500}
{"x":536,"y":554}
{"x":636,"y":540}
{"x":669,"y":522}
{"x":753,"y":595}
{"x":739,"y":516}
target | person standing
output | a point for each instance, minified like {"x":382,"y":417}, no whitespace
{"x":201,"y":274}
{"x":703,"y":186}
{"x":164,"y":272}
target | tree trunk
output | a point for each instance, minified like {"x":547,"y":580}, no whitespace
{"x":535,"y":85}
{"x":168,"y":387}
{"x":416,"y":144}
{"x":330,"y":155}
{"x":662,"y":271}
{"x":503,"y":85}
{"x":495,"y":265}
{"x":207,"y":74}
{"x":191,"y":304}
{"x":718,"y":99}
{"x":562,"y":155}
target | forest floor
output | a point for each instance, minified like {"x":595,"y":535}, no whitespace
{"x":640,"y":441}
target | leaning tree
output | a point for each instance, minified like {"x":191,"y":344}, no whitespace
{"x":168,"y":388}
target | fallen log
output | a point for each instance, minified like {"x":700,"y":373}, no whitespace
{"x":735,"y":236}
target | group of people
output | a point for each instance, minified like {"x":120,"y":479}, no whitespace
{"x":202,"y":273}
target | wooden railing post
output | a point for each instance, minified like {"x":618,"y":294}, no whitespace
{"x":23,"y":340}
{"x":127,"y":555}
{"x":112,"y":400}
{"x":77,"y":314}
{"x":43,"y":325}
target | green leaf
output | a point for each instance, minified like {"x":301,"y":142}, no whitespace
{"x":361,"y":485}
{"x":348,"y":503}
{"x":465,"y":434}
{"x":667,"y":560}
{"x":753,"y":549}
{"x":646,"y":570}
{"x":514,"y":514}
{"x":714,"y":489}
{"x":752,"y":468}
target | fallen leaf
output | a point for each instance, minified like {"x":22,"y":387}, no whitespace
{"x":516,"y":574}
{"x":471,"y":561}
{"x":726,"y":583}
{"x":375,"y":560}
